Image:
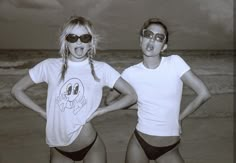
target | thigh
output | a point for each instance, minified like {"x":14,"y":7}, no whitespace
{"x":56,"y":157}
{"x":172,"y":156}
{"x":84,"y":139}
{"x":135,"y":153}
{"x":97,"y":154}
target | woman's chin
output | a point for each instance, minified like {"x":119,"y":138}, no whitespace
{"x":78,"y":57}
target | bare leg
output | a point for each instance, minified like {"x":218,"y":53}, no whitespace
{"x":172,"y":156}
{"x":56,"y":157}
{"x":97,"y":154}
{"x":135,"y":153}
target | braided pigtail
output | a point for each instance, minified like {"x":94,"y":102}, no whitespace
{"x":90,"y":56}
{"x":65,"y":63}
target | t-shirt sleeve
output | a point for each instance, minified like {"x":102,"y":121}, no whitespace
{"x":125,"y":75}
{"x":38,"y":73}
{"x":110,"y":75}
{"x":180,"y":65}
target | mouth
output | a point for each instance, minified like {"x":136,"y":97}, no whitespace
{"x":149,"y":47}
{"x":79,"y":50}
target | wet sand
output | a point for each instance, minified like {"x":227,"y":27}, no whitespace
{"x":207,"y":134}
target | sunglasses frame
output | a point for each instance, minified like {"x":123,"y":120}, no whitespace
{"x":76,"y":37}
{"x":154,"y":35}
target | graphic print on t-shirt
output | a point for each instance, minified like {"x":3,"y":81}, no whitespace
{"x":71,"y":96}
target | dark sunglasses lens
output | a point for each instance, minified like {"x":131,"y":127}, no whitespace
{"x":160,"y":37}
{"x":147,"y":34}
{"x":71,"y":38}
{"x":86,"y":38}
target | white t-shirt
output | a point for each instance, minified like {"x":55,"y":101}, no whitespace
{"x":72,"y":101}
{"x":159,"y":95}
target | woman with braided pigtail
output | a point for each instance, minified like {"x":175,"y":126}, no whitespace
{"x":75,"y":83}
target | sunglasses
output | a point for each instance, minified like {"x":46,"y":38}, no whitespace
{"x":85,"y":38}
{"x":157,"y":37}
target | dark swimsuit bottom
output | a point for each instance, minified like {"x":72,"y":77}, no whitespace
{"x":153,"y":152}
{"x":77,"y":155}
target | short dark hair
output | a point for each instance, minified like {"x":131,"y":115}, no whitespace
{"x":157,"y":21}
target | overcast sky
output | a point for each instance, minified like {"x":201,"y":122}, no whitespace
{"x":193,"y":24}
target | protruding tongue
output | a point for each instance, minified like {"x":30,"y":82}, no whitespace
{"x":79,"y":50}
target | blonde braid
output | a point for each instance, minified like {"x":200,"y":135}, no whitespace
{"x":90,"y":56}
{"x":65,"y":64}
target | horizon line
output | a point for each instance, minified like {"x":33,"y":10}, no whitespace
{"x":118,"y":49}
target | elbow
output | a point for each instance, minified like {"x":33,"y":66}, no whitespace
{"x":206,"y":96}
{"x":133,"y":97}
{"x":15,"y":91}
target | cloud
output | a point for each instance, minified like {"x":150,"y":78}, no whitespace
{"x":99,"y":7}
{"x":30,"y":12}
{"x":219,"y":12}
{"x":36,"y":4}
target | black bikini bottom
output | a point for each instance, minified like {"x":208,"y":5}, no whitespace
{"x":77,"y":155}
{"x":153,"y":152}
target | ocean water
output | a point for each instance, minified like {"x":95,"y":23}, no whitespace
{"x":214,"y":67}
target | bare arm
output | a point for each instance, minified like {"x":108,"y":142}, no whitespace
{"x":127,"y":93}
{"x":128,"y":97}
{"x":113,"y":96}
{"x":192,"y":81}
{"x":18,"y":91}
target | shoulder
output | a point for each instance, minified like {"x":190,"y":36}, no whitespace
{"x":174,"y":58}
{"x":133,"y":67}
{"x":103,"y":67}
{"x":131,"y":71}
{"x":100,"y":64}
{"x":47,"y":64}
{"x":54,"y":60}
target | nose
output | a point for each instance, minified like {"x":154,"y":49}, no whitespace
{"x":152,"y":39}
{"x":150,"y":43}
{"x":78,"y":42}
